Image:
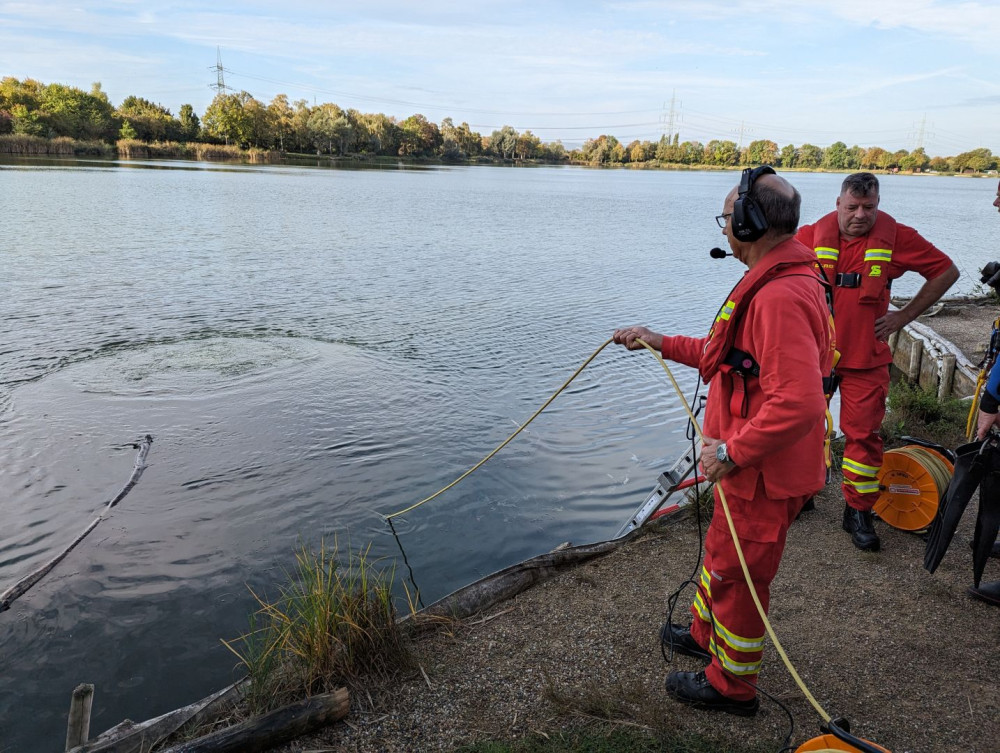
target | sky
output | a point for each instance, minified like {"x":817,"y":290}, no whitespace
{"x":892,"y":73}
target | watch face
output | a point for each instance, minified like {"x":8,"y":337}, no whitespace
{"x":720,"y":454}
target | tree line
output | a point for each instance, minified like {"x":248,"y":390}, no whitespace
{"x":31,"y":108}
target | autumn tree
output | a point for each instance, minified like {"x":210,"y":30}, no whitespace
{"x":760,"y":152}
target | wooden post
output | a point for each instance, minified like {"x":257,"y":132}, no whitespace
{"x":947,"y":376}
{"x":78,"y":728}
{"x":916,"y":352}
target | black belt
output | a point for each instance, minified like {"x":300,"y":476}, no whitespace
{"x":853,"y":280}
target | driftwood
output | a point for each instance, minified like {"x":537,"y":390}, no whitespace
{"x":19,"y":588}
{"x":129,"y":737}
{"x":276,"y":728}
{"x":510,"y":581}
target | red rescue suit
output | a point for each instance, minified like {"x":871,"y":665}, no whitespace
{"x":861,"y":270}
{"x":773,"y":426}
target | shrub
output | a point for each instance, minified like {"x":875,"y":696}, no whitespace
{"x":913,"y":411}
{"x":329,"y":627}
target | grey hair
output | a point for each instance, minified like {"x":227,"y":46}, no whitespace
{"x":780,"y":209}
{"x":860,"y":185}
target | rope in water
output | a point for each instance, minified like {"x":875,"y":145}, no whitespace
{"x":503,"y":444}
{"x":722,"y":497}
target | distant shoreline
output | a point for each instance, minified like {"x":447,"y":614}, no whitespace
{"x":63,"y":148}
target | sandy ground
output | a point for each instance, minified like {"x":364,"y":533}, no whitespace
{"x":908,"y":657}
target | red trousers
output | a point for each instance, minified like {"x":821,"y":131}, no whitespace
{"x":726,"y":622}
{"x":862,"y":408}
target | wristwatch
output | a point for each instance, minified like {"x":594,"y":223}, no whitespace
{"x":722,"y":455}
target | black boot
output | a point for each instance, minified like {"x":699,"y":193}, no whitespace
{"x":860,"y":524}
{"x":695,"y":689}
{"x":679,"y":639}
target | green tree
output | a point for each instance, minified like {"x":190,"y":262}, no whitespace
{"x":323,"y":129}
{"x":151,"y":122}
{"x":503,"y":143}
{"x":127,"y":132}
{"x":72,"y":112}
{"x":789,"y":156}
{"x":190,"y":125}
{"x":835,"y":156}
{"x":300,"y":125}
{"x":227,"y":119}
{"x":854,"y":157}
{"x":810,"y":156}
{"x":419,"y":136}
{"x":915,"y":161}
{"x":692,"y":152}
{"x":722,"y":153}
{"x":976,"y":161}
{"x":281,"y":120}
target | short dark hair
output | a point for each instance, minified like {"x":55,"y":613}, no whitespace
{"x":780,"y":209}
{"x":860,"y":184}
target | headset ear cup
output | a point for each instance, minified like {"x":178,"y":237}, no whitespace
{"x":749,"y":223}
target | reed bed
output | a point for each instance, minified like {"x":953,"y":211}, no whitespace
{"x":332,"y":625}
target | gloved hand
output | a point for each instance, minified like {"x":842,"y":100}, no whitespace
{"x":991,"y":275}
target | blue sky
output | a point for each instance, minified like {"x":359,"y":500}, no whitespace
{"x":870,"y":72}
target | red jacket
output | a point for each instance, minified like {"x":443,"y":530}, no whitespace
{"x":856,"y":309}
{"x":786,"y":328}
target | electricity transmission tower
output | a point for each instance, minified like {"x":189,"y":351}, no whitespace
{"x":220,"y":83}
{"x":671,"y":119}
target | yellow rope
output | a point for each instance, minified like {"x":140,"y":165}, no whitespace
{"x":972,"y":420}
{"x":739,"y":550}
{"x":503,"y":444}
{"x":722,"y":497}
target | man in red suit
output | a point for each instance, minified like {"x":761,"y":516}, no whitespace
{"x":862,"y":250}
{"x":764,"y":358}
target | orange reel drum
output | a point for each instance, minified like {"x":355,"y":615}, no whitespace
{"x":912,"y":480}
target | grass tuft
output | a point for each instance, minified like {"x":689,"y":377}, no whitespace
{"x":329,"y":627}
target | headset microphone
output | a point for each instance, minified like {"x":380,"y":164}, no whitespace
{"x":718,"y":253}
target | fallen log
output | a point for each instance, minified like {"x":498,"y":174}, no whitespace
{"x":276,"y":728}
{"x":21,"y":587}
{"x":129,"y":737}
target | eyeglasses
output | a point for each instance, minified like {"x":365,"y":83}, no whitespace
{"x":722,"y":219}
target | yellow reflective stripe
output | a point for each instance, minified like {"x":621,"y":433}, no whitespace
{"x":824,"y":252}
{"x":734,"y":667}
{"x":727,"y":311}
{"x":701,"y":608}
{"x":860,"y":468}
{"x":706,"y":580}
{"x":738,"y":642}
{"x":863,"y":487}
{"x":878,"y":254}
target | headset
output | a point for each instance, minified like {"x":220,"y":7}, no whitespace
{"x":749,"y":222}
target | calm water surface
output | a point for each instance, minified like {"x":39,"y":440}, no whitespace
{"x":310,"y":348}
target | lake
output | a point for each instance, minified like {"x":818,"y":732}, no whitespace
{"x":311,"y":348}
